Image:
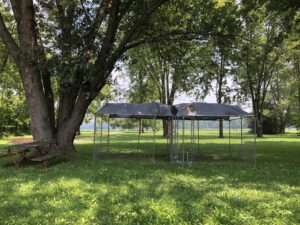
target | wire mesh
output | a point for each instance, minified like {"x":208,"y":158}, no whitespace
{"x":120,"y":139}
{"x":190,"y":141}
{"x":201,"y":141}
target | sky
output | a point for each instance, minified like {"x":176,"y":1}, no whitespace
{"x":122,"y":85}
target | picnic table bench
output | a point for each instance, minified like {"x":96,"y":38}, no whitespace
{"x":50,"y":155}
{"x":44,"y":151}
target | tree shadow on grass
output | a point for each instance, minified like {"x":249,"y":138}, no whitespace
{"x":116,"y":192}
{"x":131,"y":192}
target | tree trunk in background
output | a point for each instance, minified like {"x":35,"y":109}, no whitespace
{"x":78,"y":131}
{"x":282,"y":128}
{"x":258,"y":113}
{"x":141,"y":127}
{"x":259,"y":126}
{"x":221,"y":135}
{"x":220,"y":93}
{"x":167,"y":128}
{"x":258,"y":118}
{"x":282,"y":125}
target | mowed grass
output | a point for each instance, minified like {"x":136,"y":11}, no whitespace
{"x":86,"y":191}
{"x":203,"y":147}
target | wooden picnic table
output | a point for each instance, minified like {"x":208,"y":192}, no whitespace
{"x":21,"y":150}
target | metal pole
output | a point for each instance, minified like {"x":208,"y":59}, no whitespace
{"x":193,"y":139}
{"x":241,"y":130}
{"x":94,"y":147}
{"x":168,"y":143}
{"x":107,"y":145}
{"x":171,"y":141}
{"x":101,"y":128}
{"x":240,"y":150}
{"x":154,"y":147}
{"x":255,"y":140}
{"x":198,"y":134}
{"x":229,"y":139}
{"x":183,"y":140}
{"x":187,"y":156}
{"x":138,"y":145}
{"x":168,"y":136}
{"x":174,"y":139}
{"x":101,"y":123}
{"x":177,"y":134}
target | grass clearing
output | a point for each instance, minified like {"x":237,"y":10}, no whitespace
{"x":83,"y":191}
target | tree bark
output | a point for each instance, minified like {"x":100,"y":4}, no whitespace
{"x":141,"y":127}
{"x":259,"y":126}
{"x":220,"y":93}
{"x":282,"y":125}
{"x":167,"y":128}
{"x":78,"y":131}
{"x":41,"y":121}
{"x":298,"y":79}
{"x":258,"y":118}
{"x":25,"y":55}
{"x":221,"y":135}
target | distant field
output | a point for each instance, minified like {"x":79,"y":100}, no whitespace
{"x":86,"y":191}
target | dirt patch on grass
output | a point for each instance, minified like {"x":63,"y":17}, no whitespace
{"x":82,"y":139}
{"x":27,"y":140}
{"x":21,"y":140}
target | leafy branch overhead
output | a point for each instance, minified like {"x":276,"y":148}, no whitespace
{"x":66,"y":51}
{"x":78,"y":43}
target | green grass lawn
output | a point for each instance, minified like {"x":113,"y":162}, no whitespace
{"x":207,"y":148}
{"x":83,"y":191}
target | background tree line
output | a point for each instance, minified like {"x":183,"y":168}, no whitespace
{"x":59,"y":55}
{"x":14,"y":116}
{"x":260,"y":60}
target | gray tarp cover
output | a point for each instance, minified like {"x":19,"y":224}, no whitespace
{"x":135,"y":110}
{"x":196,"y":110}
{"x":209,"y":111}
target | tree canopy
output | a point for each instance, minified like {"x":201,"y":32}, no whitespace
{"x":65,"y":52}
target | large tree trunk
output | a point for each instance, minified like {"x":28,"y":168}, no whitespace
{"x":167,"y":128}
{"x":66,"y":130}
{"x":41,"y":125}
{"x":76,"y":93}
{"x":25,"y":55}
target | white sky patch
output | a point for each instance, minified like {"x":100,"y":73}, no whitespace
{"x":121,"y":84}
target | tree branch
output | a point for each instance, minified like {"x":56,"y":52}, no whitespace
{"x":61,"y":13}
{"x":121,"y":49}
{"x":125,"y":9}
{"x":4,"y":62}
{"x":110,"y":33}
{"x":26,"y":26}
{"x":9,"y":41}
{"x":93,"y":31}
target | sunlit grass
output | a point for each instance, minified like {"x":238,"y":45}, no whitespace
{"x":83,"y":191}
